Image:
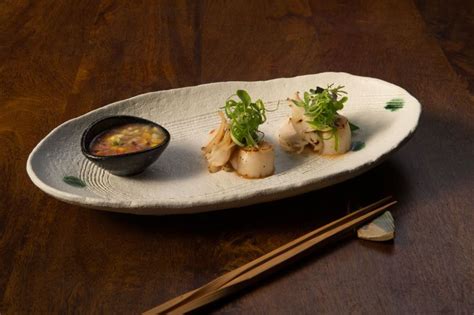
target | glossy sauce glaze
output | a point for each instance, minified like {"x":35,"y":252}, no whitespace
{"x":127,"y":138}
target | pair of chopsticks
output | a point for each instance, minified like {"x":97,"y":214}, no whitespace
{"x":248,"y":273}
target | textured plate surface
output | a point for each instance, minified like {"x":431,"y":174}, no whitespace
{"x":180,"y":183}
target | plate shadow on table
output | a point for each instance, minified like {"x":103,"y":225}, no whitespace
{"x":293,"y":216}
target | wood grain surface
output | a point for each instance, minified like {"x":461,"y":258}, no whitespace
{"x":60,"y":59}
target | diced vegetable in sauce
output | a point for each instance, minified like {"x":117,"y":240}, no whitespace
{"x":127,"y":138}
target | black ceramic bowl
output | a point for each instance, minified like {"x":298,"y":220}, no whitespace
{"x":124,"y":164}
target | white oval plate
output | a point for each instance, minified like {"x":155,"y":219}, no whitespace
{"x":179,"y":181}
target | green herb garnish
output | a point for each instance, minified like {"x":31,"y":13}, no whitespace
{"x":245,"y":117}
{"x":74,"y":181}
{"x":321,"y":106}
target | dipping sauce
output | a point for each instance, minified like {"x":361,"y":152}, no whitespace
{"x":127,"y":138}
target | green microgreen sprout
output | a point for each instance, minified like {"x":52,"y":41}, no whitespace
{"x":321,"y":106}
{"x":245,"y":117}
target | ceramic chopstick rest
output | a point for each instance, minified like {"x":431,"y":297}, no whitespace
{"x":380,"y":229}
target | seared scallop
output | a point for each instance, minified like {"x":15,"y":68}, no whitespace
{"x":251,"y":162}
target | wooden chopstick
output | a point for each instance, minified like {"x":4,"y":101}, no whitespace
{"x":246,"y":278}
{"x":234,"y":280}
{"x":220,"y":281}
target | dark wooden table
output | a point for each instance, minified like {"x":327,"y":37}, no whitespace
{"x":61,"y":59}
